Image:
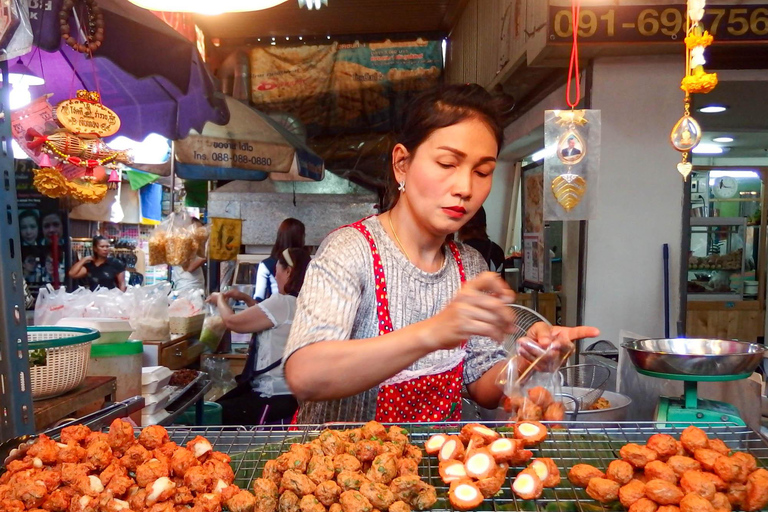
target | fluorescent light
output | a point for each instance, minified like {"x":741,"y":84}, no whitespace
{"x":544,"y":153}
{"x":733,"y":174}
{"x":713,"y":109}
{"x":722,"y":139}
{"x":207,"y":6}
{"x":154,"y":149}
{"x":708,"y":149}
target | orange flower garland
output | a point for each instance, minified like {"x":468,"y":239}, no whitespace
{"x":694,"y":40}
{"x":49,"y":182}
{"x":699,"y":82}
{"x":87,"y":191}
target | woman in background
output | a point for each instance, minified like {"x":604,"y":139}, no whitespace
{"x":100,"y":269}
{"x":289,"y":234}
{"x":262,"y":395}
{"x":474,"y":234}
{"x":190,"y":275}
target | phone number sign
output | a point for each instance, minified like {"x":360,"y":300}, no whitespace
{"x":239,"y":154}
{"x":658,"y":23}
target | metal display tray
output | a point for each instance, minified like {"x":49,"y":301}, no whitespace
{"x":581,"y":442}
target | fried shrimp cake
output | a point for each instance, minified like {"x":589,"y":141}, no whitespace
{"x":603,"y":490}
{"x":380,"y":496}
{"x":320,"y":468}
{"x":638,"y":456}
{"x":757,"y":491}
{"x":296,"y":482}
{"x":663,"y":444}
{"x":620,"y":471}
{"x":631,"y":492}
{"x":581,"y":474}
{"x":695,"y":503}
{"x":353,"y":501}
{"x":383,"y":469}
{"x":657,"y":470}
{"x":663,"y":492}
{"x":695,"y":482}
{"x":288,"y":502}
{"x":328,"y":492}
{"x":694,"y":438}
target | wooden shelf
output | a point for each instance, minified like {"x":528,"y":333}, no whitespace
{"x":92,"y":390}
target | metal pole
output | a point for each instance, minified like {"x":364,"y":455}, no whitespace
{"x":16,"y":413}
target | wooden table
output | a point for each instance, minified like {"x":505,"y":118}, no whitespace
{"x":92,"y":390}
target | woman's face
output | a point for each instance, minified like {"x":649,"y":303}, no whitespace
{"x":52,"y":225}
{"x":29,"y":230}
{"x":102,"y":249}
{"x":281,"y":276}
{"x":449,"y":175}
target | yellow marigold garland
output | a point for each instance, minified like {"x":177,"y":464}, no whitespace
{"x":87,"y":191}
{"x":699,"y":82}
{"x":693,"y":40}
{"x":49,"y":182}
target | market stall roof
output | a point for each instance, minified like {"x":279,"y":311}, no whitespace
{"x":150,"y":75}
{"x":249,"y":147}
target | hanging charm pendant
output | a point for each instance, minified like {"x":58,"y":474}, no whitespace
{"x":571,"y":147}
{"x":568,"y":190}
{"x":686,"y":134}
{"x":685,"y":167}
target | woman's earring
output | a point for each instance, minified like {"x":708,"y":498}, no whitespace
{"x":401,"y":186}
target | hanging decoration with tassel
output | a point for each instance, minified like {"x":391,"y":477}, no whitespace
{"x":686,"y":134}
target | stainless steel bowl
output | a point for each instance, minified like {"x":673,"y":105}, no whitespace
{"x":695,"y":357}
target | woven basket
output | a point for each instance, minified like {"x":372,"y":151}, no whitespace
{"x":181,"y":325}
{"x":67,"y":351}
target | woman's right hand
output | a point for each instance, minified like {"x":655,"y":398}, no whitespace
{"x":236,"y":295}
{"x":481,"y":308}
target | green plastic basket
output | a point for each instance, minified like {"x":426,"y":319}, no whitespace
{"x":58,"y":358}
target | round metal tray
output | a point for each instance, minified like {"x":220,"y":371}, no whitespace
{"x":695,"y":357}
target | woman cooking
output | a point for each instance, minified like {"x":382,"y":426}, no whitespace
{"x":100,"y":269}
{"x":393,"y":319}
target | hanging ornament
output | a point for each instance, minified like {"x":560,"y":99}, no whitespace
{"x":114,"y":179}
{"x":85,"y":115}
{"x":568,"y":190}
{"x":92,"y":26}
{"x":686,"y":134}
{"x":76,"y":150}
{"x":86,"y":191}
{"x":49,"y":182}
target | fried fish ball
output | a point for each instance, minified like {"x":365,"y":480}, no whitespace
{"x":540,"y":396}
{"x":110,"y":472}
{"x":328,"y":492}
{"x":181,"y":460}
{"x":425,"y":498}
{"x":266,"y":494}
{"x":554,"y":412}
{"x":288,"y":502}
{"x":603,"y":490}
{"x":630,"y":493}
{"x":310,"y":503}
{"x":373,"y":429}
{"x":719,"y":446}
{"x":292,"y":460}
{"x":380,"y":496}
{"x":353,"y":501}
{"x":297,"y":482}
{"x":367,"y":450}
{"x":383,"y":469}
{"x":729,"y":469}
{"x":531,"y":432}
{"x":620,"y":471}
{"x":668,"y":508}
{"x":695,"y":482}
{"x":706,"y":458}
{"x":345,"y":462}
{"x":407,"y":488}
{"x":748,"y":463}
{"x":757,"y":491}
{"x":198,"y":480}
{"x":694,"y":438}
{"x":121,"y":436}
{"x":547,"y":470}
{"x":271,"y":472}
{"x":719,"y":483}
{"x":736,"y":493}
{"x":581,"y":474}
{"x":99,"y":454}
{"x":663,"y":444}
{"x":663,"y":492}
{"x":336,"y":507}
{"x":319,"y":469}
{"x":413,"y":452}
{"x":407,"y":466}
{"x":201,"y":447}
{"x":720,"y":502}
{"x":638,"y":456}
{"x":153,"y":436}
{"x":680,"y":464}
{"x":220,"y":470}
{"x":150,"y":471}
{"x":350,"y":480}
{"x":643,"y":505}
{"x":530,"y":412}
{"x":74,"y":434}
{"x":134,"y":457}
{"x":465,"y":496}
{"x":694,"y":503}
{"x":243,"y":501}
{"x":657,"y":470}
{"x":398,"y":506}
{"x":12,"y":505}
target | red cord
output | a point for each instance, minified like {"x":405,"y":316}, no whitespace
{"x":573,"y":68}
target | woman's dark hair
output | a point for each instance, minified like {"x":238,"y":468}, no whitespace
{"x":440,"y":108}
{"x":300,"y":259}
{"x":97,"y":239}
{"x":475,"y":228}
{"x":29,"y":213}
{"x":289,"y":234}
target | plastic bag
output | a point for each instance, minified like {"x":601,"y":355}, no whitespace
{"x":174,"y":241}
{"x":149,"y":319}
{"x":21,"y":41}
{"x":201,"y":235}
{"x":186,"y":303}
{"x":213,"y":328}
{"x":531,"y":382}
{"x":49,"y":305}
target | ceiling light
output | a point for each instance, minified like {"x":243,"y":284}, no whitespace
{"x":713,"y":109}
{"x":708,"y":149}
{"x":207,"y":6}
{"x":544,"y":153}
{"x":733,"y":174}
{"x":312,"y":4}
{"x":19,"y":74}
{"x":722,"y":139}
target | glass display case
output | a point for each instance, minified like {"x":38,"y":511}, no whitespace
{"x":716,"y":262}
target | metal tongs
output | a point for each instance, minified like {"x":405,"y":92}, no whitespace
{"x":15,"y":448}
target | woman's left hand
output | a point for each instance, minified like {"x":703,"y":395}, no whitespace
{"x":213,"y":298}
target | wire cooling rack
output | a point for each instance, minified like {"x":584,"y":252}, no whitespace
{"x":579,"y":443}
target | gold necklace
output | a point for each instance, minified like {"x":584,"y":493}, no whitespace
{"x":397,"y":238}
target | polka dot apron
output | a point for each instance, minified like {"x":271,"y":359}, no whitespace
{"x":425,"y":398}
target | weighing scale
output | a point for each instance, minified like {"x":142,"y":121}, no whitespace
{"x":694,"y":360}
